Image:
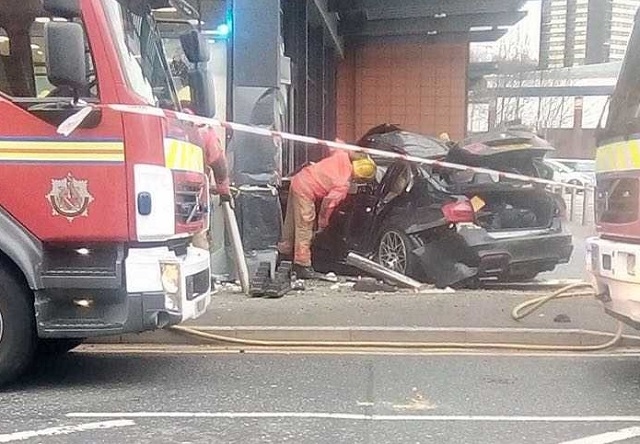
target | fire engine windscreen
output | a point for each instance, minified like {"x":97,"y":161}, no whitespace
{"x":140,"y":47}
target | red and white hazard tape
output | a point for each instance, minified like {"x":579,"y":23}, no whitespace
{"x":72,"y":123}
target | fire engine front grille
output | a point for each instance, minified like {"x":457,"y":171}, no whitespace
{"x":197,"y":284}
{"x":190,"y":203}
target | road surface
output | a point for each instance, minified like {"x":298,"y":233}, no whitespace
{"x":216,"y":396}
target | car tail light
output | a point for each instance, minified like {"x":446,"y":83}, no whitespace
{"x":460,"y":211}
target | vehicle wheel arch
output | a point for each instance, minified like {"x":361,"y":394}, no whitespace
{"x":20,"y":251}
{"x":9,"y":265}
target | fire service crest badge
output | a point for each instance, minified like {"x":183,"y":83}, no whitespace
{"x":69,"y":197}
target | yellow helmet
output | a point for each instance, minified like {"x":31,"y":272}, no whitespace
{"x":364,"y":169}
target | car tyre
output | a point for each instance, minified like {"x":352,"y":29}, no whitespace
{"x":17,"y":327}
{"x":394,"y":252}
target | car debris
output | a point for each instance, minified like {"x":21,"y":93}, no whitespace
{"x":342,"y":285}
{"x":373,"y":285}
{"x":562,"y":318}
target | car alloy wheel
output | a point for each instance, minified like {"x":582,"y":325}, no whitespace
{"x":392,"y":252}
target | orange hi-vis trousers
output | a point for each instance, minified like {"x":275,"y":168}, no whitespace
{"x":297,"y":231}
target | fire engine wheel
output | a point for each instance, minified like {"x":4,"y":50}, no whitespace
{"x":17,"y":327}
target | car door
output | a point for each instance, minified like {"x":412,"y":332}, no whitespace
{"x":349,"y":226}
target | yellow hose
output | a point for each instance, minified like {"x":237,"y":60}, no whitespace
{"x":526,"y":308}
{"x":518,"y":313}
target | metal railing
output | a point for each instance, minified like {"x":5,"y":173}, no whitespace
{"x":580,"y":203}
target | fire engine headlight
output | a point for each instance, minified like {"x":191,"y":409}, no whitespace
{"x":171,"y":284}
{"x":631,"y":264}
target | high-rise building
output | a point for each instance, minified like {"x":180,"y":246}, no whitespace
{"x":578,"y":32}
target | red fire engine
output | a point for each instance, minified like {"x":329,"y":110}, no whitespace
{"x":95,"y":229}
{"x":613,"y":258}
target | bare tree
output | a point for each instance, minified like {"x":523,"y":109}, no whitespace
{"x":506,"y":89}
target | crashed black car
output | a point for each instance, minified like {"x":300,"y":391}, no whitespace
{"x":446,"y":227}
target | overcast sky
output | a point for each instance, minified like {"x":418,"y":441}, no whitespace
{"x":529,"y":26}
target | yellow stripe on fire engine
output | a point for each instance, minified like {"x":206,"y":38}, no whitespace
{"x":181,"y":155}
{"x":619,"y":156}
{"x":61,"y":151}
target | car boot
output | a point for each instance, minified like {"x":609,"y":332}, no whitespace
{"x":303,"y":272}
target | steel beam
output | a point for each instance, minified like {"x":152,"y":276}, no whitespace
{"x":331,"y":23}
{"x":386,"y":9}
{"x":551,"y":91}
{"x":459,"y":23}
{"x":445,"y":37}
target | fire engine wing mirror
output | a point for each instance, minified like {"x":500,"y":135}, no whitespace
{"x":65,"y":56}
{"x":195,"y":47}
{"x":203,"y":99}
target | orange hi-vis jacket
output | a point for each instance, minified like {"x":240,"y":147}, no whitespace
{"x":327,"y":180}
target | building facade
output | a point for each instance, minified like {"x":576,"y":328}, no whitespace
{"x":579,"y":32}
{"x":332,"y":68}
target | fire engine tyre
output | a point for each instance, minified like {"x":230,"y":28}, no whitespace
{"x":394,"y":252}
{"x":17,"y":327}
{"x":56,"y":347}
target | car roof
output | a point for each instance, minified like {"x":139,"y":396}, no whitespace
{"x":406,"y":142}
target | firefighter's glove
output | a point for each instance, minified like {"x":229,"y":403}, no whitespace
{"x":227,"y":198}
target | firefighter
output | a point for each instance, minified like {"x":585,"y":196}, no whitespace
{"x":327,"y":181}
{"x":214,"y":159}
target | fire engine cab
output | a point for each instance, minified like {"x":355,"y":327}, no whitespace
{"x":95,"y":228}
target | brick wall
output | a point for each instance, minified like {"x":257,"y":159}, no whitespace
{"x":421,"y":87}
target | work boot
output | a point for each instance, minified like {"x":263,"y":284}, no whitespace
{"x":303,"y":272}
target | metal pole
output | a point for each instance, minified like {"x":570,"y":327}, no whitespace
{"x":572,"y":205}
{"x":236,"y":243}
{"x":585,"y":205}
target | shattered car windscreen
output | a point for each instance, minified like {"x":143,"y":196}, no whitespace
{"x":411,"y":143}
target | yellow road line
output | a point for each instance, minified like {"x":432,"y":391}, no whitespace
{"x":214,"y":350}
